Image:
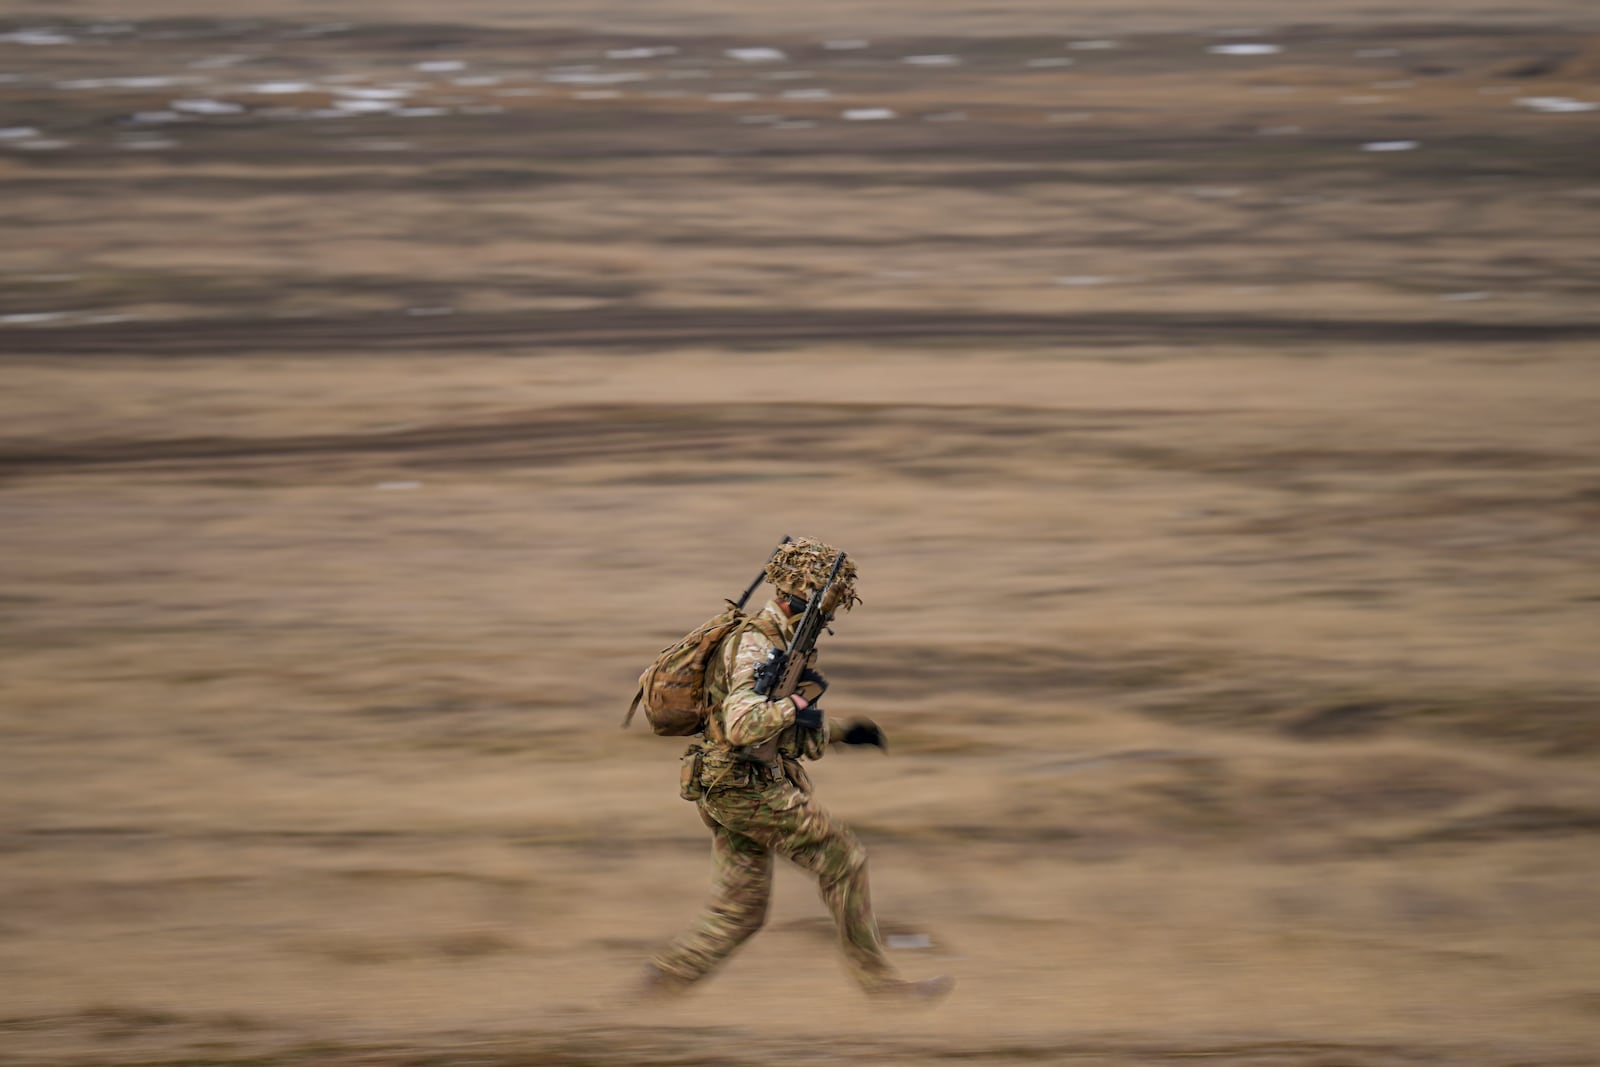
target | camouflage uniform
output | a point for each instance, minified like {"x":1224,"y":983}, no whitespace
{"x":756,"y":809}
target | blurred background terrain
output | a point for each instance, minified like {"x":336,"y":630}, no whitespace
{"x":1207,"y":392}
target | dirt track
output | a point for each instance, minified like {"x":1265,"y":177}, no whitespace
{"x":381,"y":389}
{"x":522,"y":334}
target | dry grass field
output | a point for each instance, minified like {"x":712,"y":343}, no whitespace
{"x":1207,"y":392}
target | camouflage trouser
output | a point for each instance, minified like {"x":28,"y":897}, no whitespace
{"x":748,"y":824}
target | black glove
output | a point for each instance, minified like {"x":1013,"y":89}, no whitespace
{"x":809,"y":717}
{"x":812,"y":685}
{"x":864,"y":732}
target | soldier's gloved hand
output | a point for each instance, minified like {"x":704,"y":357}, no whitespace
{"x":812,"y":685}
{"x":863,"y":732}
{"x":806,"y":714}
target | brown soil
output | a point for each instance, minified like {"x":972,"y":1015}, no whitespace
{"x":1225,"y":495}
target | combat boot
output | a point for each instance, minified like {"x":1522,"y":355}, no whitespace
{"x":656,"y":985}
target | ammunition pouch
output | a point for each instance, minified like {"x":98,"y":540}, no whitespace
{"x":689,"y":787}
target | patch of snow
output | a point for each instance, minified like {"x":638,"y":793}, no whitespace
{"x":28,"y":318}
{"x":477,"y":80}
{"x":278,"y":88}
{"x":422,"y":112}
{"x":122,"y":83}
{"x":1244,"y":49}
{"x":17,"y":133}
{"x":868,"y":114}
{"x":203,"y":106}
{"x":147,"y":144}
{"x":595,"y":77}
{"x":731,"y":98}
{"x":1078,"y":280}
{"x":932,"y":60}
{"x":596,"y":94}
{"x":150,"y":82}
{"x":35,"y":37}
{"x":756,"y":55}
{"x":1389,"y":146}
{"x":440,"y":66}
{"x":1557,"y":105}
{"x":908,"y":941}
{"x":373,"y":94}
{"x":364,"y":107}
{"x":641,"y":53}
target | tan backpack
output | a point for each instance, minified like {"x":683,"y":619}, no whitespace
{"x":673,"y":688}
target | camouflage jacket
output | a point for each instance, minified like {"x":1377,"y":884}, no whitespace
{"x":744,"y":718}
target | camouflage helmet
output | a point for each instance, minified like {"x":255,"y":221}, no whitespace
{"x":801,"y":565}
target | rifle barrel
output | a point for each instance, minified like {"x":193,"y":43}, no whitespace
{"x":760,"y":575}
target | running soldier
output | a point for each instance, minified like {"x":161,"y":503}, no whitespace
{"x":744,"y":774}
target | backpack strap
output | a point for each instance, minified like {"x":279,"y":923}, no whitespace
{"x":714,"y":729}
{"x":638,"y":695}
{"x":767,"y":628}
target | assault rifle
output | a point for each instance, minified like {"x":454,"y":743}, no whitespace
{"x":780,"y":674}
